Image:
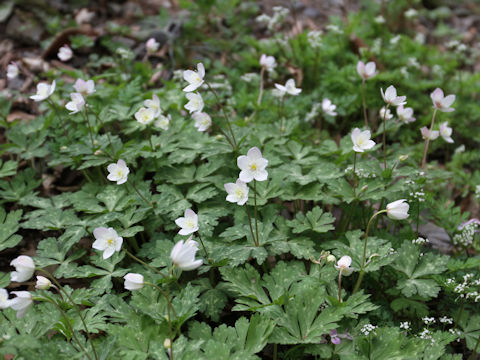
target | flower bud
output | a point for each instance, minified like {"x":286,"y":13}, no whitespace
{"x":43,"y":283}
{"x":331,"y":258}
{"x":403,"y":157}
{"x":167,"y":344}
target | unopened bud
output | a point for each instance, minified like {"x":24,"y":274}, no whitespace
{"x":364,"y":188}
{"x":403,"y":157}
{"x":167,"y":344}
{"x":43,"y":283}
{"x":331,"y":258}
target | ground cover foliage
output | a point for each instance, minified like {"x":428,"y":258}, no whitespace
{"x":222,"y":213}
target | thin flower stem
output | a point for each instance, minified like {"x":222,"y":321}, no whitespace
{"x":169,"y":306}
{"x":362,"y":269}
{"x":385,"y":138}
{"x":340,"y":286}
{"x":225,"y":135}
{"x":255,"y":209}
{"x":260,"y":93}
{"x":54,"y":107}
{"x":74,"y":306}
{"x":364,"y":104}
{"x":140,"y":194}
{"x":145,"y":264}
{"x":354,"y":173}
{"x":418,"y":215}
{"x":427,"y":140}
{"x":224,"y":114}
{"x":472,"y":356}
{"x":204,"y":248}
{"x":106,"y":132}
{"x":281,"y":113}
{"x":71,"y":329}
{"x":250,"y":224}
{"x":85,"y":115}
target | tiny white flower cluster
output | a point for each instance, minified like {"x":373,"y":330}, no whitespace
{"x":405,"y":325}
{"x":466,"y":289}
{"x":278,"y":17}
{"x":314,"y":38}
{"x":315,"y":111}
{"x":428,"y":320}
{"x":477,"y":192}
{"x":446,"y":320}
{"x":392,"y":251}
{"x":418,"y":195}
{"x":456,"y":46}
{"x":467,"y":234}
{"x":367,"y":329}
{"x":335,"y":29}
{"x":426,"y":335}
{"x":249,"y":77}
{"x":360,"y":172}
{"x":420,"y":241}
{"x":457,"y":333}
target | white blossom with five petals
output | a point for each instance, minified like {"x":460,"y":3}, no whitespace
{"x":77,"y":103}
{"x":203,"y":121}
{"x":145,"y":116}
{"x":391,"y":98}
{"x":107,"y":240}
{"x":405,"y":114}
{"x":252,"y":166}
{"x":237,"y":192}
{"x":43,"y":91}
{"x":188,"y":223}
{"x":361,"y":140}
{"x":195,"y":102}
{"x":329,"y":108}
{"x":268,"y":62}
{"x":289,"y":88}
{"x":442,"y":102}
{"x":446,"y":132}
{"x":194,"y":78}
{"x":118,"y":172}
{"x":24,"y":268}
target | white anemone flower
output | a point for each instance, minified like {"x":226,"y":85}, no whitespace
{"x":84,"y":87}
{"x":77,"y":103}
{"x":390,"y":96}
{"x":145,"y":115}
{"x":329,"y":108}
{"x":163,"y":122}
{"x":442,"y":102}
{"x":405,"y":114}
{"x":361,"y":140}
{"x":65,"y":53}
{"x":429,"y":135}
{"x":133,"y":281}
{"x":21,"y":303}
{"x":4,"y":302}
{"x":194,"y":78}
{"x":203,"y":121}
{"x":152,"y":45}
{"x":24,"y":268}
{"x":153,"y":103}
{"x":398,"y":210}
{"x":107,"y":240}
{"x":383,"y":115}
{"x":343,"y":265}
{"x":183,"y":255}
{"x":12,"y":71}
{"x":43,"y":283}
{"x":188,"y":223}
{"x":43,"y":91}
{"x":237,"y":192}
{"x":268,"y":62}
{"x":366,"y":71}
{"x":195,"y":102}
{"x":289,"y":88}
{"x":118,"y":172}
{"x":446,"y":132}
{"x":252,"y":166}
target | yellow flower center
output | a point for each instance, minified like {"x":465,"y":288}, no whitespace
{"x":239,"y":193}
{"x":253,"y":167}
{"x":110,"y":241}
{"x":120,"y":173}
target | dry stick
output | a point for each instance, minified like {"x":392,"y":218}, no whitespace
{"x":250,"y":224}
{"x":260,"y":94}
{"x":385,"y":138}
{"x":74,"y":306}
{"x":362,"y":270}
{"x":224,"y":114}
{"x":364,"y":104}
{"x":255,"y":210}
{"x":427,"y":140}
